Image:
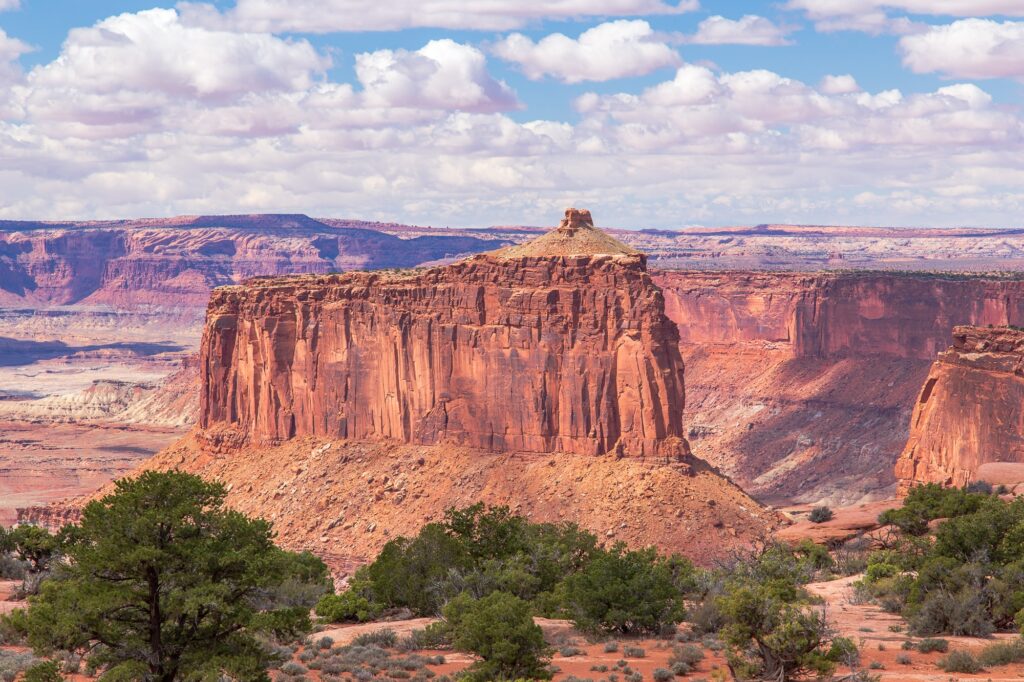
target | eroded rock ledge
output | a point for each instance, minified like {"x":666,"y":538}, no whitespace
{"x":970,"y":412}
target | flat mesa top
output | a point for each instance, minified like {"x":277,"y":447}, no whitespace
{"x":575,"y":236}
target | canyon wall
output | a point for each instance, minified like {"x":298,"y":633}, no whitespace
{"x":512,"y":352}
{"x":175,"y":262}
{"x":907,"y":315}
{"x":801,"y":386}
{"x":970,"y":411}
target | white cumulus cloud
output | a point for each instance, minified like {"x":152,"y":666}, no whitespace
{"x":884,"y":16}
{"x":442,"y":75}
{"x":610,"y":50}
{"x":9,"y":4}
{"x":968,"y":48}
{"x":747,"y":30}
{"x":132,"y":71}
{"x":839,"y":85}
{"x":146,"y":114}
{"x":325,"y":16}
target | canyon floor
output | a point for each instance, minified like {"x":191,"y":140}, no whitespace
{"x":86,"y":394}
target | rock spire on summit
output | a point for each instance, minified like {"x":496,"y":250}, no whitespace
{"x":574,"y":236}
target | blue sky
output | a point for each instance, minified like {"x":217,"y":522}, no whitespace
{"x":501,"y":111}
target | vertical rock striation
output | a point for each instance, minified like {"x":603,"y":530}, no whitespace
{"x":970,"y":412}
{"x":557,"y":345}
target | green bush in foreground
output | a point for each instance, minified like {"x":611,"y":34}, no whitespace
{"x":960,"y":661}
{"x":173,"y":584}
{"x":498,"y":628}
{"x":624,"y":592}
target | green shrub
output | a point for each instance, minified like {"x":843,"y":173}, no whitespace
{"x":611,"y":647}
{"x":930,"y":644}
{"x":633,"y":652}
{"x":498,"y":628}
{"x":1002,"y":653}
{"x":961,"y":613}
{"x":662,"y":675}
{"x":624,"y":591}
{"x":434,"y":636}
{"x":689,"y":654}
{"x":45,"y":671}
{"x":681,"y":669}
{"x":928,"y":502}
{"x":706,"y":617}
{"x":384,"y":638}
{"x":821,"y":515}
{"x":959,"y":661}
{"x":903,"y":659}
{"x":347,"y":607}
{"x":791,"y":639}
{"x":293,"y":668}
{"x":983,"y":487}
{"x":480,"y":550}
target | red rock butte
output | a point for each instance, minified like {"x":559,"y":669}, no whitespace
{"x":970,"y":412}
{"x":556,"y":345}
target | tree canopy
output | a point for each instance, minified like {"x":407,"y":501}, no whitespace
{"x":162,"y":582}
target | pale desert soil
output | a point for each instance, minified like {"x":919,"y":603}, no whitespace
{"x":869,"y":626}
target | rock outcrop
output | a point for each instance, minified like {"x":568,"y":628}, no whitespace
{"x":349,"y":409}
{"x":970,"y":412}
{"x":559,"y":345}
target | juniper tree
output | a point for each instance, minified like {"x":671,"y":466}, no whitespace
{"x":162,"y":582}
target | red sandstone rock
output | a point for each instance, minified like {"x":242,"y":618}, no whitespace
{"x":970,"y":411}
{"x":509,"y":351}
{"x":907,"y":315}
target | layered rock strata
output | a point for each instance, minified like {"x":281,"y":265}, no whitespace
{"x":970,"y":412}
{"x":176,"y":261}
{"x":559,"y":345}
{"x":830,"y":315}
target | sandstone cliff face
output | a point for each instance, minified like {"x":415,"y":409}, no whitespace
{"x":511,"y":352}
{"x":830,"y":315}
{"x":970,"y":411}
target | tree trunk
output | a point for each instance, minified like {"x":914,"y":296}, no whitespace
{"x":156,"y":649}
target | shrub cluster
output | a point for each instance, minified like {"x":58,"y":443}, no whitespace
{"x":965,"y":577}
{"x":557,"y":570}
